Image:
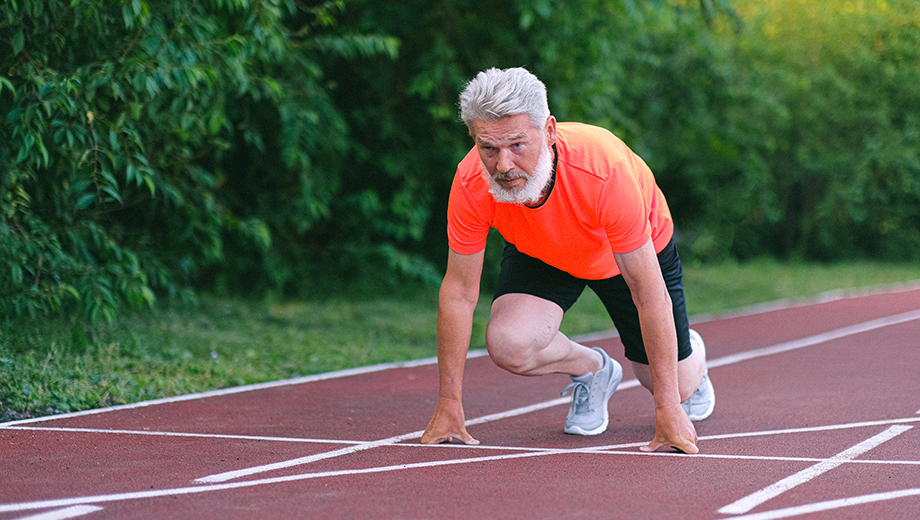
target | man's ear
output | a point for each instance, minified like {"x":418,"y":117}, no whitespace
{"x":550,"y":131}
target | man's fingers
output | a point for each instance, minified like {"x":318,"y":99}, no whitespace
{"x":464,"y":438}
{"x":471,"y":441}
{"x":434,"y":440}
{"x":652,"y":446}
{"x":688,"y":448}
{"x":685,"y":447}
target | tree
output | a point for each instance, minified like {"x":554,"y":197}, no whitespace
{"x":124,"y":127}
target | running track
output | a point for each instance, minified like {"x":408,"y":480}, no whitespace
{"x":817,"y":417}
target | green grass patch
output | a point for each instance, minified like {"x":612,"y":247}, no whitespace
{"x":48,"y":366}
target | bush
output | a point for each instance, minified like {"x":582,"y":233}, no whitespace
{"x":146,"y":144}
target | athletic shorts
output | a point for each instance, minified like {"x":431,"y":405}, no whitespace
{"x":521,"y":273}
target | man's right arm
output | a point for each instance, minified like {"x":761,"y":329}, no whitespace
{"x":456,"y":302}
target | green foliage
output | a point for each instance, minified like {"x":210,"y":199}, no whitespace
{"x":149,"y":149}
{"x":177,"y":349}
{"x":842,"y":145}
{"x":145,"y":143}
{"x":778,"y":129}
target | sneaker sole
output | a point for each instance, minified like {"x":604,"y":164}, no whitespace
{"x":611,"y":388}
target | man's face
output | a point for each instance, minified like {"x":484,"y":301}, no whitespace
{"x":516,"y":157}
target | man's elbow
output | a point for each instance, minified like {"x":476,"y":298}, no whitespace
{"x":458,"y":293}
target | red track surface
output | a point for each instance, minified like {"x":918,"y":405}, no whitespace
{"x":817,"y":415}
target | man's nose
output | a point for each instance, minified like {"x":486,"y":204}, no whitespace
{"x":505,"y":161}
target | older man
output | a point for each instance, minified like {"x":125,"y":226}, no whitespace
{"x":576,"y":207}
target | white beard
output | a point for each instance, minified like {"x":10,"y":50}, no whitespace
{"x":532,"y":191}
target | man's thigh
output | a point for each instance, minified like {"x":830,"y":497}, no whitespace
{"x":522,"y":274}
{"x":617,"y":299}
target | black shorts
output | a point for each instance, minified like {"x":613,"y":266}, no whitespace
{"x":524,"y":274}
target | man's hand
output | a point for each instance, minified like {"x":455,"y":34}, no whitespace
{"x":447,"y":424}
{"x":673,"y":429}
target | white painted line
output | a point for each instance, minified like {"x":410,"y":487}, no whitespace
{"x":245,"y":472}
{"x":767,"y":307}
{"x":628,"y":384}
{"x":809,"y":429}
{"x":816,"y":339}
{"x":828,"y":505}
{"x":63,"y":514}
{"x":726,"y":360}
{"x":182,"y":434}
{"x":825,"y":297}
{"x":539,"y":406}
{"x":532,"y":452}
{"x":230,"y":475}
{"x":433,"y":360}
{"x":42,"y":504}
{"x":593,"y":449}
{"x":393,"y":440}
{"x":753,"y":500}
{"x":306,"y":476}
{"x":784,"y":347}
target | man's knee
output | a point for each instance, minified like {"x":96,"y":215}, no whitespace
{"x":510,"y":348}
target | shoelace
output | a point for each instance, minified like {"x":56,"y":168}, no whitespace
{"x":581,"y":392}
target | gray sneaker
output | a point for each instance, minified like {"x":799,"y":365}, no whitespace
{"x":702,"y":401}
{"x":588,"y":414}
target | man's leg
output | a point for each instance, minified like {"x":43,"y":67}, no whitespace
{"x":523,"y":338}
{"x":690,"y":372}
{"x":617,"y":297}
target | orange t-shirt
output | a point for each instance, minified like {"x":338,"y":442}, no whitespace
{"x":604,"y":201}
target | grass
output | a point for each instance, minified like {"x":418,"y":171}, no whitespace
{"x":46,"y":368}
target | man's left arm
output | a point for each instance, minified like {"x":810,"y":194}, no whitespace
{"x":642,"y":273}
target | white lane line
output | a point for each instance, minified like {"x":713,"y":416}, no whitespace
{"x":754,"y":310}
{"x":601,"y":449}
{"x":42,"y":504}
{"x":534,"y":452}
{"x":230,"y":475}
{"x":809,"y":429}
{"x":463,"y":446}
{"x":183,"y":434}
{"x":753,"y":500}
{"x":726,"y":360}
{"x":63,"y":514}
{"x":245,"y":472}
{"x":718,"y":362}
{"x":816,"y":339}
{"x":828,"y":505}
{"x":539,"y":406}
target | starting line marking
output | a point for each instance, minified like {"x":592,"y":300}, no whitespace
{"x":65,"y":502}
{"x":63,"y":514}
{"x":753,"y":500}
{"x":718,"y":436}
{"x":180,"y":434}
{"x":828,"y":505}
{"x":85,"y":507}
{"x":725,"y":360}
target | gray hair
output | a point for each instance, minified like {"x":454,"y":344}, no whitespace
{"x":494,"y":94}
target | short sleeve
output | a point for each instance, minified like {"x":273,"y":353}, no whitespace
{"x":467,"y":227}
{"x":624,"y":211}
